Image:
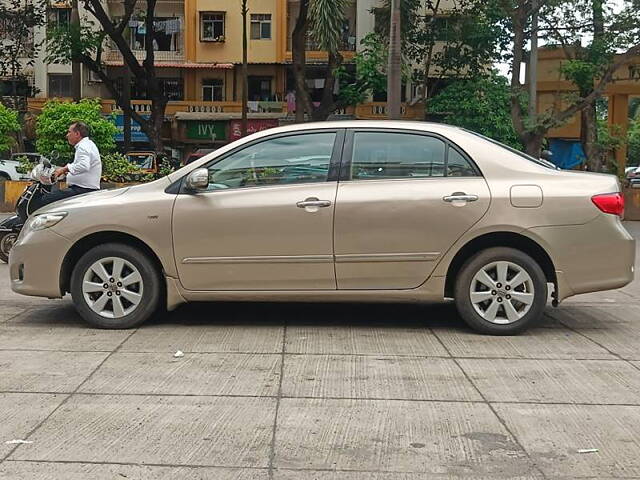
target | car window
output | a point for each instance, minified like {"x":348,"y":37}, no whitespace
{"x":458,"y":166}
{"x":277,"y":161}
{"x":383,"y":155}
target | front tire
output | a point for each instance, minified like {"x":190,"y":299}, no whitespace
{"x":7,"y":241}
{"x":115,"y":286}
{"x":501,"y":291}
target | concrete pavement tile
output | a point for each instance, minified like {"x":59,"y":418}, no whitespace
{"x":87,"y":471}
{"x":206,"y":431}
{"x":555,"y":381}
{"x":608,"y":297}
{"x":550,"y":343}
{"x":22,"y":412}
{"x":32,"y":371}
{"x":396,"y":436}
{"x":57,"y":313}
{"x":354,"y":376}
{"x":615,"y":327}
{"x":365,"y":339}
{"x":7,"y":312}
{"x":553,"y":434}
{"x":193,"y":374}
{"x":323,"y":475}
{"x":214,"y":338}
{"x":61,"y":337}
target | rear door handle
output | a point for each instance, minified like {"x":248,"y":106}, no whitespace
{"x":460,"y":197}
{"x":313,"y":202}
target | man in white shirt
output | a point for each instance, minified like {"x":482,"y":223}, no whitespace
{"x":83,"y":174}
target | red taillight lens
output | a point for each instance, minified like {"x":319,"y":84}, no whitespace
{"x":612,"y":203}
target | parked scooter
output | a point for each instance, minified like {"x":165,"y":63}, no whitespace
{"x":42,"y":180}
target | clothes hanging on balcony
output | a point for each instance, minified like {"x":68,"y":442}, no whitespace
{"x":172,"y":26}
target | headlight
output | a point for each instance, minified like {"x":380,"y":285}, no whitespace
{"x":46,"y":220}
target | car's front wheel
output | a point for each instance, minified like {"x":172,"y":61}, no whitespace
{"x":115,"y":286}
{"x":501,"y":291}
{"x":7,"y":240}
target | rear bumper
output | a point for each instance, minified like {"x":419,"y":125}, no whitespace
{"x":35,"y":262}
{"x":599,"y":255}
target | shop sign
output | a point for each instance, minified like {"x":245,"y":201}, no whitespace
{"x":253,"y":126}
{"x":137,"y":135}
{"x":197,"y":130}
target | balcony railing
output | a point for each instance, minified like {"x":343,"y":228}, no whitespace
{"x":161,"y":56}
{"x":346,"y":44}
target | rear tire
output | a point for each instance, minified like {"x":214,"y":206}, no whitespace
{"x":115,"y":286}
{"x":501,"y":291}
{"x":6,"y":244}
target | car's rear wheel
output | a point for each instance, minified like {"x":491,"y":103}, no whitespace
{"x":501,"y":291}
{"x":115,"y":286}
{"x":6,"y":244}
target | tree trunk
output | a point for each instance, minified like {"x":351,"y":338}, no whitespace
{"x":589,"y":138}
{"x":327,"y":104}
{"x":394,"y":81}
{"x":298,"y":47}
{"x":245,"y":74}
{"x":588,"y":115}
{"x":533,"y":145}
{"x":76,"y":76}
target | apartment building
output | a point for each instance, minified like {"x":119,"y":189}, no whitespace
{"x":198,"y":55}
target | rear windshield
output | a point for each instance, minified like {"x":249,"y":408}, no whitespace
{"x":539,"y":161}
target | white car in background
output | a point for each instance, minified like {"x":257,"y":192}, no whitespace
{"x":8,"y":168}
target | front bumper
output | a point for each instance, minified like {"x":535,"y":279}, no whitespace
{"x":596,"y":256}
{"x":35,"y":262}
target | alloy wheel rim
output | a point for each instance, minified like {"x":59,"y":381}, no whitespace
{"x":112,"y":287}
{"x":502,"y":292}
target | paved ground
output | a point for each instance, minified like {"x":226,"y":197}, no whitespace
{"x":328,"y":392}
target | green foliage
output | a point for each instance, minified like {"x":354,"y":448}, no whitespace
{"x":634,"y":142}
{"x":327,"y":17}
{"x":117,"y":168}
{"x":8,"y":126}
{"x":18,"y":19}
{"x":25,"y":165}
{"x":481,"y":105}
{"x":56,"y":116}
{"x":66,"y":43}
{"x":370,"y":76}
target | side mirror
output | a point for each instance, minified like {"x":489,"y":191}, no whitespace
{"x":546,"y":155}
{"x":197,"y":180}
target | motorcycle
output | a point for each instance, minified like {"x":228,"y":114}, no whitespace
{"x":42,"y":180}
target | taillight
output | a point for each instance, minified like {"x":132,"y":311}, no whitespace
{"x":612,"y":203}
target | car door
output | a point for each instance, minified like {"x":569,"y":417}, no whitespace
{"x":403,"y":199}
{"x":265,"y":221}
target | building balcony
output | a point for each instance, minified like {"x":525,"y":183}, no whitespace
{"x":172,"y":56}
{"x":378,"y":111}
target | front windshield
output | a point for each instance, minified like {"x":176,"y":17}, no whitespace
{"x":539,"y":161}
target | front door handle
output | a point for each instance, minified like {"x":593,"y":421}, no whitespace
{"x":460,"y":197}
{"x":313,"y":202}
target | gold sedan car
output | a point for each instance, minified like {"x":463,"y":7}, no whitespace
{"x":344,"y":211}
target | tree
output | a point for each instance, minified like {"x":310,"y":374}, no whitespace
{"x":481,"y":104}
{"x":370,"y":76}
{"x":86,"y":46}
{"x":518,"y":14}
{"x":55,"y":119}
{"x":323,"y":20}
{"x":245,"y":74}
{"x":9,"y":125}
{"x":394,"y":80}
{"x":634,"y":142}
{"x":18,"y":19}
{"x":590,"y":61}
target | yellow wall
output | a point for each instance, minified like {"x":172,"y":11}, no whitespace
{"x":260,"y":51}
